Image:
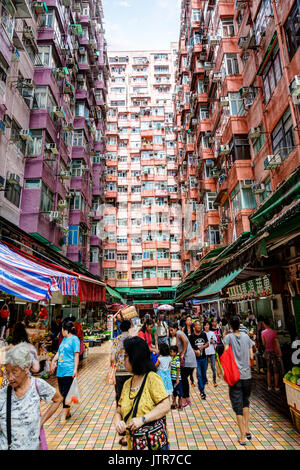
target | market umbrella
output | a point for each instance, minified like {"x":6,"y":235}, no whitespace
{"x":165,"y":307}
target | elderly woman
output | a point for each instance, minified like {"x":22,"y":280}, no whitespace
{"x":24,"y":394}
{"x":143,"y":400}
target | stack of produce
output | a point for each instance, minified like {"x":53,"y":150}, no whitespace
{"x":293,"y":376}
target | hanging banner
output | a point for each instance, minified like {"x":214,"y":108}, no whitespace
{"x":253,"y":289}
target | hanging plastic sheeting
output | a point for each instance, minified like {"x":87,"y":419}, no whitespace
{"x":23,"y":278}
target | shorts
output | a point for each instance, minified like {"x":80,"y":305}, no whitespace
{"x":120,"y":380}
{"x":272,"y":362}
{"x":239,"y":395}
{"x":64,"y":385}
{"x":177,"y":389}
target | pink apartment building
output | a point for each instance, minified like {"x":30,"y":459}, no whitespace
{"x":142,"y":220}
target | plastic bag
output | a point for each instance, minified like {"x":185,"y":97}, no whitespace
{"x":73,"y":397}
{"x":111,"y":375}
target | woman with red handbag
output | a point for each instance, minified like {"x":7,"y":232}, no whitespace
{"x":237,"y":371}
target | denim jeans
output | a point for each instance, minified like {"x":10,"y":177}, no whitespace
{"x":201,"y":373}
{"x":212,"y":359}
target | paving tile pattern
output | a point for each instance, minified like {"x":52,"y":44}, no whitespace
{"x":205,"y":425}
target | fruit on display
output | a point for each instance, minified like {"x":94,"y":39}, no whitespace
{"x":296,"y":371}
{"x":293,"y":376}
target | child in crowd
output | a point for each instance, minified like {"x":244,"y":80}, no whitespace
{"x":176,"y":378}
{"x":163,"y":367}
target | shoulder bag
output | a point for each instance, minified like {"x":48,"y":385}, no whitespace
{"x":151,"y":436}
{"x":229,"y":366}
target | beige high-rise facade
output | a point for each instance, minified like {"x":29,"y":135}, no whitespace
{"x":142,"y":219}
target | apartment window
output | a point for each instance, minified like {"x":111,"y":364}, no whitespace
{"x":110,"y":237}
{"x":241,"y":147}
{"x":136,"y":222}
{"x":283,"y":138}
{"x":209,"y":201}
{"x":45,"y":56}
{"x":230,"y":62}
{"x":175,"y":256}
{"x":259,"y":142}
{"x":149,"y":253}
{"x":272,"y":73}
{"x":117,"y":103}
{"x":242,"y":199}
{"x":110,"y":219}
{"x":35,"y":146}
{"x":187,"y":266}
{"x":136,"y":256}
{"x":268,"y":190}
{"x":109,"y":255}
{"x":111,"y":187}
{"x":176,"y":274}
{"x":163,"y":236}
{"x":81,"y":110}
{"x":236,"y":104}
{"x":135,"y":189}
{"x":196,"y":14}
{"x":265,"y":13}
{"x":122,"y":275}
{"x":33,"y":184}
{"x":7,"y":18}
{"x":40,"y":97}
{"x":163,"y":253}
{"x":94,"y":229}
{"x":77,"y":202}
{"x":161,"y":201}
{"x":162,"y":218}
{"x":213,"y":235}
{"x":76,"y":167}
{"x":136,"y":239}
{"x":13,"y":193}
{"x":164,"y":272}
{"x":122,"y":256}
{"x":122,"y":189}
{"x":109,"y":273}
{"x":137,"y":275}
{"x":148,"y":201}
{"x":74,"y":236}
{"x":292,"y":30}
{"x":122,"y":222}
{"x":78,"y":138}
{"x":122,"y":240}
{"x":149,"y":272}
{"x":227,"y":27}
{"x":94,"y":254}
{"x":47,"y":199}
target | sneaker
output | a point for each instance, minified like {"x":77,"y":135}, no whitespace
{"x":269,"y":389}
{"x":186,"y":403}
{"x":203,"y":396}
{"x":215,"y":384}
{"x":173,"y":407}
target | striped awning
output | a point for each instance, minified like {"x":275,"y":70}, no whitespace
{"x":28,"y":280}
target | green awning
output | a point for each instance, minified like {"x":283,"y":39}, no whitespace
{"x":142,"y":291}
{"x":218,"y":285}
{"x":113,"y":293}
{"x":283,"y":196}
{"x":40,"y":238}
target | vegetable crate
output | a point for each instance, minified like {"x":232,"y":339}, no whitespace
{"x":293,"y":399}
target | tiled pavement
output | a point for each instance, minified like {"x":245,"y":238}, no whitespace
{"x":206,"y":425}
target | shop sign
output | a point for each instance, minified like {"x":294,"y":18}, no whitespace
{"x":253,"y":289}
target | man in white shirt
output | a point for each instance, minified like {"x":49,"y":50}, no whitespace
{"x":210,"y":351}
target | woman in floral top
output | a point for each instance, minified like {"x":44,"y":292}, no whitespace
{"x":117,"y":358}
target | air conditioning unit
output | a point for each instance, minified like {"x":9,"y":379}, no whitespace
{"x":25,"y":134}
{"x":40,"y":7}
{"x":246,"y":184}
{"x":214,"y":40}
{"x":208,"y":65}
{"x":54,"y":216}
{"x":85,"y":168}
{"x":217,"y":77}
{"x":246,"y":91}
{"x":243,"y":42}
{"x":254,"y":133}
{"x":29,"y":32}
{"x":62,"y":204}
{"x":62,"y":72}
{"x":76,"y":6}
{"x":258,"y":188}
{"x":194,"y":122}
{"x":224,"y":101}
{"x":65,"y":175}
{"x":27,"y":83}
{"x":81,"y":50}
{"x":52,"y":147}
{"x":59,"y":111}
{"x":13,"y":178}
{"x":224,"y":149}
{"x":295,"y":87}
{"x":272,"y":161}
{"x":70,"y":194}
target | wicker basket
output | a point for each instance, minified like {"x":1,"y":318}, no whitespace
{"x":296,"y":419}
{"x":292,"y":395}
{"x":129,"y":312}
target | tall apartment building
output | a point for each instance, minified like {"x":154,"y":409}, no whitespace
{"x":142,"y":216}
{"x":53,"y":74}
{"x":237,"y":115}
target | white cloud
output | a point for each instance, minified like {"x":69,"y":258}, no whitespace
{"x":123,"y":3}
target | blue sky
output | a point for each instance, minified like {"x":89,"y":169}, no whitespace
{"x":141,"y":24}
